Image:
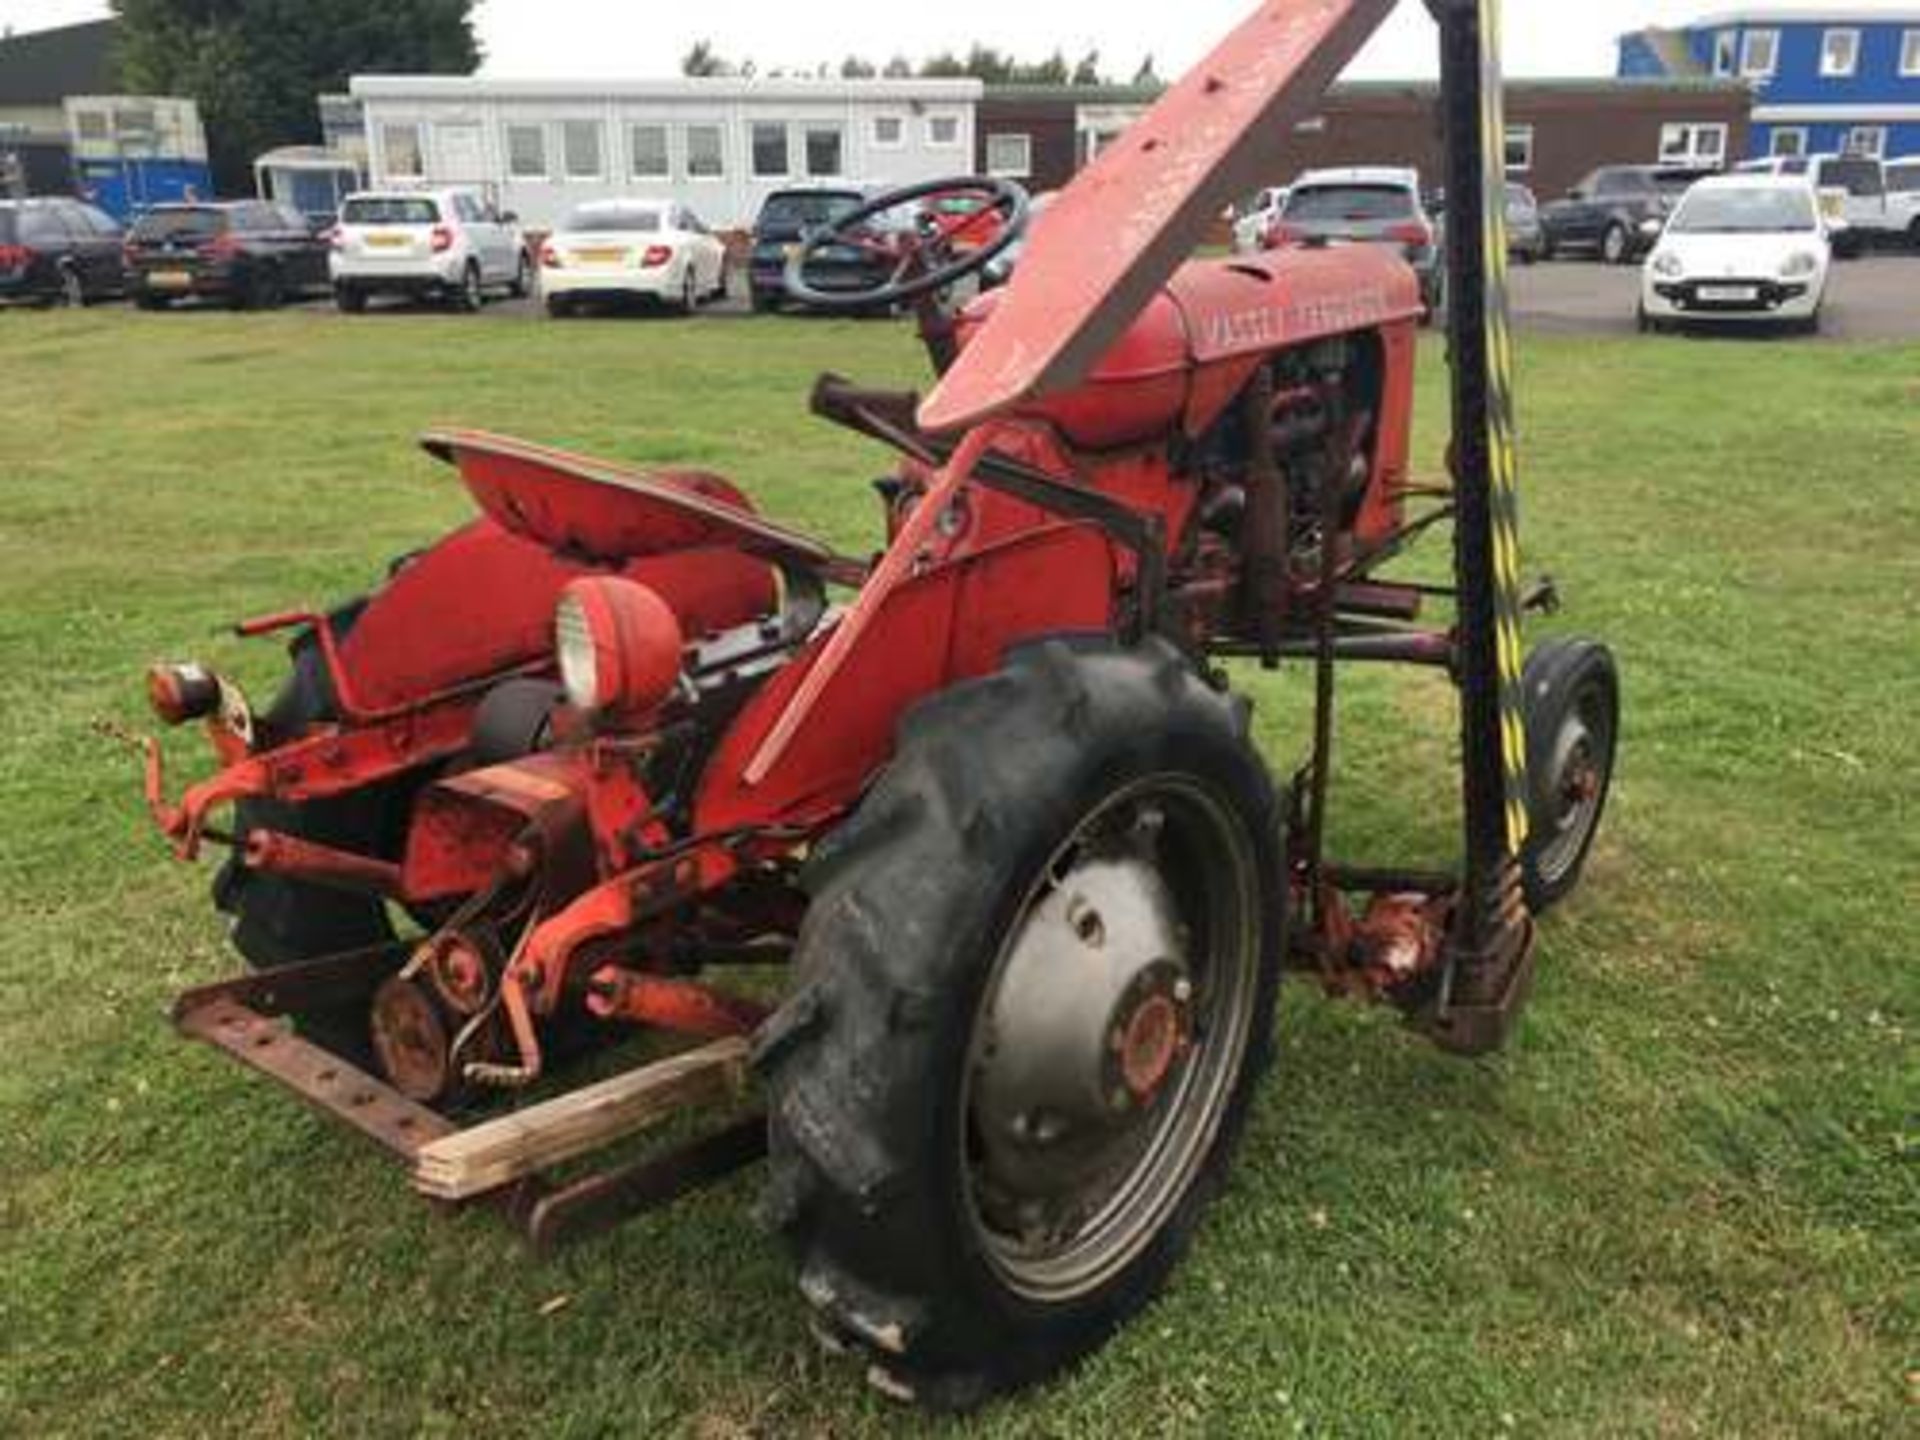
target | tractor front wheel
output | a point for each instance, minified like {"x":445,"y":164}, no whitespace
{"x":1573,"y":724}
{"x":1033,"y":990}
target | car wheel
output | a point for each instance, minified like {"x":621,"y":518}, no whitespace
{"x":1613,"y":245}
{"x":522,"y":285}
{"x":559,"y":307}
{"x":348,"y":300}
{"x":723,"y":282}
{"x":472,"y":296}
{"x":1913,"y":234}
{"x":73,"y":290}
{"x":146,"y":301}
{"x":765,"y":304}
{"x":689,"y":300}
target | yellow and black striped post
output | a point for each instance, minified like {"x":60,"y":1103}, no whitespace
{"x":1492,"y":934}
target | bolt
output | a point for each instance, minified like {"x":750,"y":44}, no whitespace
{"x":1086,"y":922}
{"x":1183,"y":990}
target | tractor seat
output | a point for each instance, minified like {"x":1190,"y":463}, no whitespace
{"x":609,"y":513}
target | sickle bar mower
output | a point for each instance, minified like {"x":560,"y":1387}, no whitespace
{"x":974,"y":884}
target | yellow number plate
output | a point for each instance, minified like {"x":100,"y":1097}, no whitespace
{"x":171,"y":279}
{"x":386,"y":242}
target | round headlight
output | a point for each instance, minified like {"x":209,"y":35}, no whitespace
{"x":1667,"y":265}
{"x":618,"y":645}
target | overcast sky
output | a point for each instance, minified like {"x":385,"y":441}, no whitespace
{"x":597,"y":38}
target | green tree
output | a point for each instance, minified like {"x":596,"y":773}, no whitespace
{"x":944,"y":66}
{"x":256,"y":67}
{"x":854,"y":68}
{"x":701,"y":62}
{"x":1087,"y":72}
{"x":1146,"y":75}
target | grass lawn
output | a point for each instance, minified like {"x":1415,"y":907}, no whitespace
{"x":1686,"y":1202}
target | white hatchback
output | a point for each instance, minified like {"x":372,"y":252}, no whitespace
{"x":632,"y":249}
{"x":446,"y":245}
{"x":1740,"y":248}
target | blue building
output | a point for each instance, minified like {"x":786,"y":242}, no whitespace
{"x":1827,"y":78}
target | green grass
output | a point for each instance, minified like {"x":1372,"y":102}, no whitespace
{"x":1684,"y":1203}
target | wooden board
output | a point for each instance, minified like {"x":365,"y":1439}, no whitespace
{"x":498,"y":1152}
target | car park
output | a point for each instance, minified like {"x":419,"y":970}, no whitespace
{"x":613,"y":250}
{"x":251,"y":254}
{"x":1251,"y":221}
{"x":58,"y":251}
{"x":1903,"y":198}
{"x":1616,"y":212}
{"x":1375,"y":204}
{"x":1740,"y":248}
{"x":1526,"y":239}
{"x":450,"y":246}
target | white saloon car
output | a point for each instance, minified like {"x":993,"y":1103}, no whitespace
{"x":430,"y":244}
{"x":1740,"y":248}
{"x":632,"y":249}
{"x":1252,"y":224}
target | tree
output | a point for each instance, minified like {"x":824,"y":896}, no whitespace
{"x":1087,"y":72}
{"x":702,"y":63}
{"x":854,"y":68}
{"x":256,"y":67}
{"x":898,"y":68}
{"x":944,"y":66}
{"x":1145,"y":74}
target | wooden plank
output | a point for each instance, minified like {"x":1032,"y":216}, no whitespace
{"x":498,"y":1152}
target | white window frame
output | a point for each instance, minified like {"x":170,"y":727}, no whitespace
{"x":387,"y":129}
{"x":599,"y":171}
{"x":1780,"y":132}
{"x":1875,"y":151}
{"x":1726,"y":52}
{"x":634,"y":172}
{"x":818,"y":127}
{"x":693,"y":176}
{"x":753,"y":150}
{"x":1750,"y":68}
{"x":1910,"y":52}
{"x":1829,"y":69}
{"x":899,"y":123}
{"x":1523,"y":136}
{"x":545,"y":172}
{"x":1691,"y":152}
{"x":1020,"y":169}
{"x":946,"y":117}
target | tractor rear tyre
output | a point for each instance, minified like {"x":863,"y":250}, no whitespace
{"x":1573,"y":727}
{"x":1033,"y":991}
{"x":277,"y":921}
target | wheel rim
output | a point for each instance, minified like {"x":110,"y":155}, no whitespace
{"x":472,"y":295}
{"x":1616,"y":244}
{"x":1109,"y":1037}
{"x":689,"y":291}
{"x":1577,"y":770}
{"x":72,"y":292}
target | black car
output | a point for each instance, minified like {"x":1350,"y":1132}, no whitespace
{"x":58,"y":251}
{"x":1617,"y":212}
{"x":249,"y":253}
{"x":786,"y":216}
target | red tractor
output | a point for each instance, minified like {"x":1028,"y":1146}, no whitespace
{"x":990,"y":799}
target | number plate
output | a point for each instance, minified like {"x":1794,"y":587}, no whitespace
{"x":601,"y":256}
{"x":1729,"y":292}
{"x":171,"y":279}
{"x":386,"y":242}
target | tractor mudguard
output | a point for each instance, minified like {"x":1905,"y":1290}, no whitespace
{"x":952,"y":623}
{"x":481,"y":601}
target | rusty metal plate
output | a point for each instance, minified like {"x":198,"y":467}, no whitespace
{"x":317,"y":1076}
{"x":1121,"y":228}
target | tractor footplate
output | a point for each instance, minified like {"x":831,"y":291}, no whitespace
{"x":1480,"y":1026}
{"x":317,"y":1076}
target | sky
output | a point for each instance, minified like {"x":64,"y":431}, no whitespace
{"x":591,"y":39}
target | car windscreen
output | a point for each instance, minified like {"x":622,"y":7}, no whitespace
{"x":180,"y":225}
{"x":1903,"y":179}
{"x":1859,"y":178}
{"x":627,"y":219}
{"x":390,"y":210}
{"x":1323,"y":204}
{"x":802,"y":210}
{"x":1744,"y":210}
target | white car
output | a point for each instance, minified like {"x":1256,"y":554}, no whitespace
{"x":448,"y":245}
{"x":1742,"y":248}
{"x":632,"y":249}
{"x":1903,"y":198}
{"x":1251,"y":225}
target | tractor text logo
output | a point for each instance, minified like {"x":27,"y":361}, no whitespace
{"x":1272,"y":324}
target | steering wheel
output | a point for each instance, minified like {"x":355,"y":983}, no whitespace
{"x":919,"y":260}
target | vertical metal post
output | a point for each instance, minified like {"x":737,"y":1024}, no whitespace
{"x":1490,"y":959}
